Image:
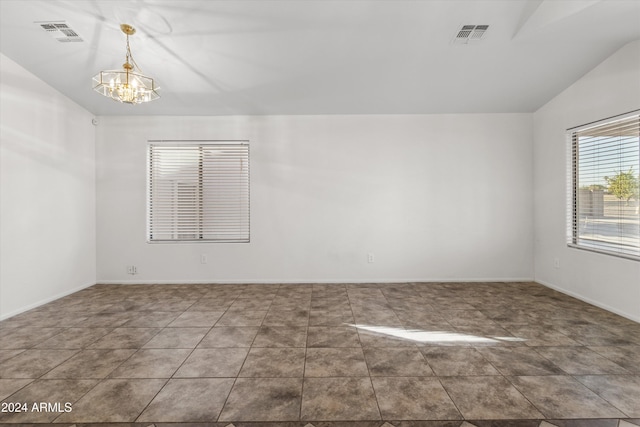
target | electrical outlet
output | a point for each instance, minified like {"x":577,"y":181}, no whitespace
{"x":556,"y":262}
{"x":371,"y":257}
{"x":132,"y":269}
{"x":203,"y":259}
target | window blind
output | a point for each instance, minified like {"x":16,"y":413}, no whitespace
{"x":198,"y":192}
{"x":604,"y":183}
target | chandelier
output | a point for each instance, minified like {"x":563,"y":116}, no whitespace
{"x":128,"y":85}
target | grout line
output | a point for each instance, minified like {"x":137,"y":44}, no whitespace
{"x":451,"y":398}
{"x":598,"y":394}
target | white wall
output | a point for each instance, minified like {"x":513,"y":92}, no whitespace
{"x":433,"y":197}
{"x":47,"y":192}
{"x":610,"y":89}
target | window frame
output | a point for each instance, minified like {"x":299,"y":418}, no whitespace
{"x":573,"y":238}
{"x":200,"y":197}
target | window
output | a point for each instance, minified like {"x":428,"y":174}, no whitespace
{"x":604,"y":181}
{"x":198,"y":191}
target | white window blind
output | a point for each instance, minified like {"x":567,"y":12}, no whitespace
{"x":604,"y":182}
{"x":198,"y":191}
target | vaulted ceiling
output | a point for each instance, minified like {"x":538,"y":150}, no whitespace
{"x":322,"y":56}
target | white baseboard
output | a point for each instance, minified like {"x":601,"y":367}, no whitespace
{"x":590,"y":301}
{"x":307,"y":281}
{"x":43,"y":302}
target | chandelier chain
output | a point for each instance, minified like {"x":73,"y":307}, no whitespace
{"x":129,"y":57}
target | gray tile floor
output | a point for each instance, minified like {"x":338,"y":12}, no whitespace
{"x":347,"y":354}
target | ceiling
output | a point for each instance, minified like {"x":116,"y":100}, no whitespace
{"x":322,"y":56}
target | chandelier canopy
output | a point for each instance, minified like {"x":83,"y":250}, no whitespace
{"x":128,"y":85}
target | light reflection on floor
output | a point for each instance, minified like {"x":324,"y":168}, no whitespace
{"x":434,"y":337}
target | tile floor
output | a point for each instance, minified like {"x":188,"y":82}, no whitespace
{"x":367,"y":355}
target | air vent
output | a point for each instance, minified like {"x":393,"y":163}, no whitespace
{"x":470,"y":33}
{"x":60,"y":31}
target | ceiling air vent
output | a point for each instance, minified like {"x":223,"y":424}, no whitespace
{"x":470,"y":33}
{"x":60,"y":31}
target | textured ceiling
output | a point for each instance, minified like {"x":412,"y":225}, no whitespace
{"x":323,"y":56}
